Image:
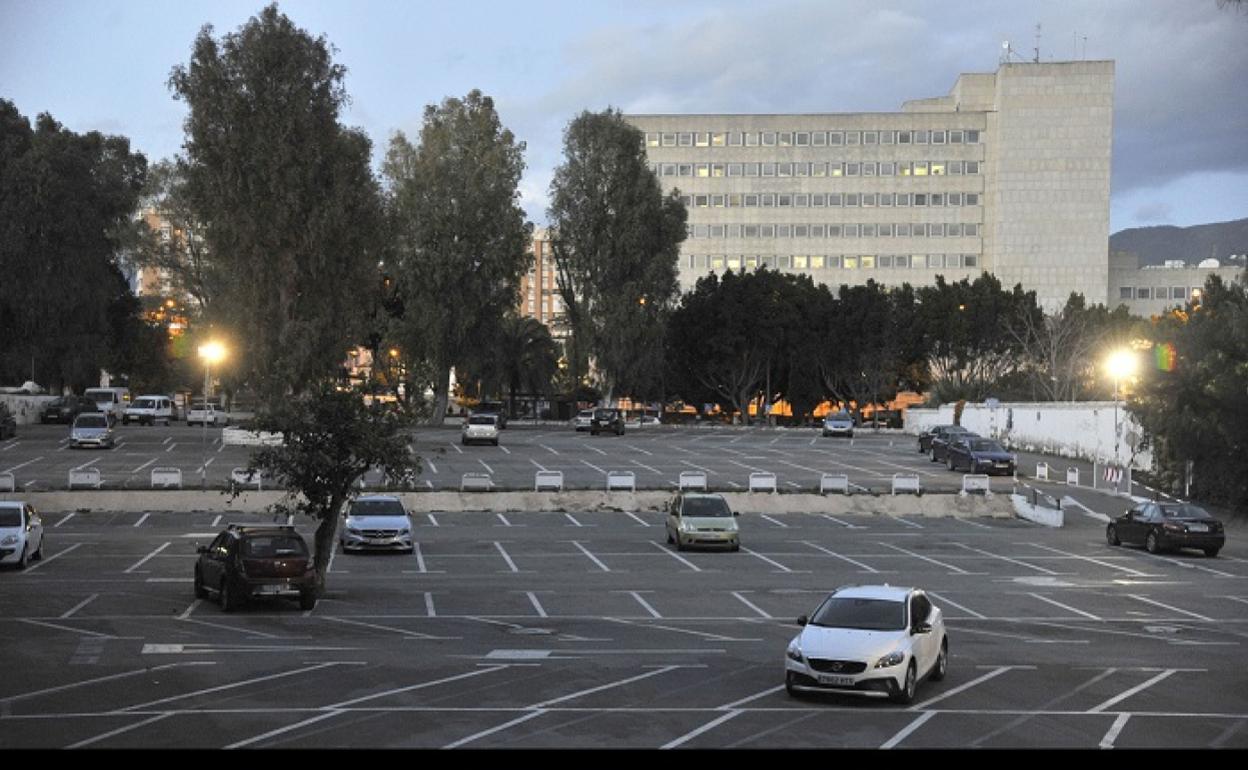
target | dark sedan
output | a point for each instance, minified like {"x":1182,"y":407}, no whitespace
{"x":66,"y":408}
{"x":938,"y":449}
{"x":1167,"y":526}
{"x":979,"y":455}
{"x":926,"y":437}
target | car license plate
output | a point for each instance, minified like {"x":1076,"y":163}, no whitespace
{"x":836,"y":681}
{"x":1197,"y":527}
{"x":269,"y":590}
{"x":377,"y":541}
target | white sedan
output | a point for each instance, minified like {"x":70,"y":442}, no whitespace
{"x":480,"y":427}
{"x":21,"y":534}
{"x":880,"y":639}
{"x":198,"y":414}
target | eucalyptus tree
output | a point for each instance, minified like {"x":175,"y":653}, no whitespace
{"x":180,"y":252}
{"x":461,"y":237}
{"x":616,"y":241}
{"x":66,"y":201}
{"x":288,"y":203}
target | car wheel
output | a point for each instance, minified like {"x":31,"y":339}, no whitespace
{"x":200,"y":591}
{"x":949,"y":463}
{"x":1111,"y":535}
{"x":679,"y":545}
{"x":495,"y":442}
{"x":905,"y":694}
{"x":942,"y":662}
{"x":307,"y":600}
{"x":931,"y":455}
{"x":736,"y":547}
{"x":21,"y":560}
{"x":1212,"y":552}
{"x":789,"y":681}
{"x":669,"y":537}
{"x":229,"y":602}
{"x":1150,"y":543}
{"x":38,"y":554}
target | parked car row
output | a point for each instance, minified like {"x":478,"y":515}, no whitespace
{"x":962,"y":450}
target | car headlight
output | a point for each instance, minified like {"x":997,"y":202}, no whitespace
{"x":353,"y":531}
{"x":10,"y":540}
{"x":794,"y":652}
{"x":890,"y":660}
{"x":687,"y":526}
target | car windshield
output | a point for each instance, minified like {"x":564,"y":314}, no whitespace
{"x":91,"y":421}
{"x":841,"y":416}
{"x":604,"y":414}
{"x":10,"y":517}
{"x":101,"y":397}
{"x":377,"y":508}
{"x":58,"y":402}
{"x":144,"y":403}
{"x":706,"y":507}
{"x":862,"y":614}
{"x":481,"y":419}
{"x":986,"y":445}
{"x":1185,"y":512}
{"x":269,"y":546}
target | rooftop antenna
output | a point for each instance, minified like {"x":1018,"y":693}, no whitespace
{"x":1037,"y":49}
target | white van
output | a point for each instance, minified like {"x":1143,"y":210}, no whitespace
{"x":148,"y":410}
{"x":112,"y":401}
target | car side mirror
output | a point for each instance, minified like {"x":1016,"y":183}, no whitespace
{"x":201,"y":549}
{"x":922,"y":628}
{"x":803,"y":620}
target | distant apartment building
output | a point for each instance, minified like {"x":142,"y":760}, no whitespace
{"x":539,"y":290}
{"x":1009,"y":174}
{"x":1155,"y":289}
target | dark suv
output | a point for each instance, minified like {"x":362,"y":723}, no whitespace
{"x":611,"y":420}
{"x":256,"y":561}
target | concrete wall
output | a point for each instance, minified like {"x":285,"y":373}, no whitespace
{"x":1083,"y":430}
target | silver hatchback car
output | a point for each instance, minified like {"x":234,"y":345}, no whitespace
{"x":91,"y":430}
{"x":377,"y":523}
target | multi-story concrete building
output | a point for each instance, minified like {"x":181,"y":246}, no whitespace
{"x":1009,"y":173}
{"x":539,"y":292}
{"x":1156,"y":289}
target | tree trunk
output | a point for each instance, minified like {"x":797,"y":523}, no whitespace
{"x":441,"y":397}
{"x":324,"y":542}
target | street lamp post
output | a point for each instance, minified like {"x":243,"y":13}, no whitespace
{"x":212,"y":353}
{"x":1120,"y":365}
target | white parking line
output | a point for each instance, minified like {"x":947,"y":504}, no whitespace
{"x":53,"y":557}
{"x":432,"y":521}
{"x":595,"y":467}
{"x":23,"y":465}
{"x":572,"y":519}
{"x":772,"y":562}
{"x":487,"y":467}
{"x":968,"y":611}
{"x":1108,"y":741}
{"x":429,"y":609}
{"x":503,"y":519}
{"x":950,"y":567}
{"x":973,"y":683}
{"x":842,"y":523}
{"x":142,"y":519}
{"x":144,"y":465}
{"x":492,"y":730}
{"x":637,"y":519}
{"x":1088,"y":615}
{"x":456,"y":448}
{"x":675,"y":556}
{"x":65,"y":628}
{"x":1138,"y":688}
{"x":1146,"y":600}
{"x":646,"y":605}
{"x":120,"y":730}
{"x":79,"y":606}
{"x":1115,"y":567}
{"x":67,"y":518}
{"x":510,"y":563}
{"x":778,"y":523}
{"x":1006,"y":559}
{"x":639,"y":449}
{"x":647,"y":467}
{"x":751,"y":605}
{"x":541,"y":612}
{"x":548,"y":449}
{"x":907,"y":730}
{"x":594,"y":449}
{"x":865,"y":567}
{"x":703,"y":729}
{"x":592,"y":558}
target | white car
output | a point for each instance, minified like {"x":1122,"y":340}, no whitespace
{"x":583,"y":419}
{"x":148,"y":410}
{"x":700,"y":519}
{"x":377,"y":523}
{"x":212,"y":413}
{"x":879,"y":639}
{"x":481,"y":427}
{"x":91,"y":429}
{"x":21,"y":534}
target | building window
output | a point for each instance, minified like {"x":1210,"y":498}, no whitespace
{"x":751,"y":200}
{"x":751,"y":231}
{"x":734,"y":169}
{"x":769,"y":138}
{"x":767,"y":260}
{"x":888,"y":169}
{"x":886,"y":261}
{"x":853,"y":169}
{"x":818,"y":231}
{"x":767,"y":200}
{"x":686,"y":139}
{"x":853,"y":199}
{"x":886,"y":199}
{"x":938,"y":137}
{"x":955,"y":137}
{"x":920,"y":199}
{"x":801,"y":139}
{"x":701,"y":231}
{"x":784,"y":231}
{"x":702,"y":170}
{"x":784,"y":199}
{"x":1126,"y":292}
{"x":801,"y":231}
{"x":717,"y":263}
{"x":1178,"y":292}
{"x":701,"y":139}
{"x":953,"y":260}
{"x":955,"y":199}
{"x":836,"y":169}
{"x":801,"y":169}
{"x":868,"y":168}
{"x":819,"y":139}
{"x":669,"y":140}
{"x":751,"y":139}
{"x":701,"y":201}
{"x":1144,"y":292}
{"x":936,"y":230}
{"x":870,"y":137}
{"x":734,"y":200}
{"x":686,"y":169}
{"x":819,"y":169}
{"x":972,"y":167}
{"x":903,"y":199}
{"x":833,"y":262}
{"x":834,"y":231}
{"x":717,"y":170}
{"x":901,"y":260}
{"x":652,"y":140}
{"x":868,"y":200}
{"x":799,"y":263}
{"x":936,"y":199}
{"x":851,"y":231}
{"x":669,"y":169}
{"x":972,"y":137}
{"x":717,"y":201}
{"x":972,"y":199}
{"x":920,"y":137}
{"x":938,"y":168}
{"x":769,"y":169}
{"x":868,"y":262}
{"x":751,"y":169}
{"x":735,"y":139}
{"x":886,"y":231}
{"x":734,"y":231}
{"x":782,"y":262}
{"x":719,"y":139}
{"x":936,"y":260}
{"x":836,"y":199}
{"x":903,"y":230}
{"x":920,"y":168}
{"x":784,"y":169}
{"x":868,"y":231}
{"x":836,"y":138}
{"x":969,"y":260}
{"x":888,"y":137}
{"x":717,"y":231}
{"x":801,"y":200}
{"x":903,"y":137}
{"x":971,"y":230}
{"x":851,"y":263}
{"x":767,"y":231}
{"x":786,"y":139}
{"x":853,"y":137}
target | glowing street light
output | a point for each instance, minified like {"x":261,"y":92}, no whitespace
{"x":212,"y":353}
{"x":1120,"y":365}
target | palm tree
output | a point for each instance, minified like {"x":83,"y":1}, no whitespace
{"x":523,"y":358}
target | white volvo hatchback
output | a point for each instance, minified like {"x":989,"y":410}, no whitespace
{"x":880,"y":639}
{"x":21,"y":534}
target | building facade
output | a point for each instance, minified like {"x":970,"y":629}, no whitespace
{"x":539,"y":290}
{"x":1009,"y":173}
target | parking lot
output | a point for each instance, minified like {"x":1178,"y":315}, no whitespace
{"x":40,"y":458}
{"x":578,"y":629}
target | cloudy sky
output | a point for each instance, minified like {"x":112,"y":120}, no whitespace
{"x":1180,"y":122}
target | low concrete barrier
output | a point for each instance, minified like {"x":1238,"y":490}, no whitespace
{"x":166,"y":478}
{"x":87,"y":477}
{"x":622,"y":480}
{"x":475,"y":482}
{"x":240,"y":437}
{"x":907,"y":482}
{"x":548,"y":480}
{"x":763,"y":482}
{"x":1042,"y":472}
{"x":241,"y":477}
{"x":834,"y":482}
{"x":973,"y":483}
{"x":1072,"y":476}
{"x":693,"y":480}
